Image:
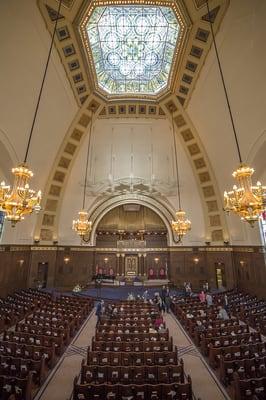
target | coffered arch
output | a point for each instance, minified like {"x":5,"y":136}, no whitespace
{"x":216,"y":227}
{"x":47,"y":222}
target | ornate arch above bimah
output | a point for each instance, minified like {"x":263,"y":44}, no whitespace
{"x":215,"y":222}
{"x":160,"y":207}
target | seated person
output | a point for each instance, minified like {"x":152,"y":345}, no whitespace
{"x":222,"y":313}
{"x":158,"y":322}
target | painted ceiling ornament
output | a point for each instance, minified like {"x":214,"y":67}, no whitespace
{"x":19,"y":200}
{"x":245,"y":200}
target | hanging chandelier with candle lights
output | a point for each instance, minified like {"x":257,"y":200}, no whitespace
{"x":182,"y":225}
{"x":19,"y":200}
{"x":82,"y":226}
{"x":246,"y":200}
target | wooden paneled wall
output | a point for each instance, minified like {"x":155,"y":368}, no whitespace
{"x":244,"y":266}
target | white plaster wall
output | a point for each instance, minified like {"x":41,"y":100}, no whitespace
{"x":139,"y":138}
{"x":24,"y":43}
{"x":241,"y":44}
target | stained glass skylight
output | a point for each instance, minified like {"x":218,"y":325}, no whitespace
{"x":132,"y":47}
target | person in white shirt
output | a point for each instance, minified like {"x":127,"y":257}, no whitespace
{"x":209,"y":299}
{"x":222,"y":314}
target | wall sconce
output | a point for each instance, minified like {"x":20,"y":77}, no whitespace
{"x":66,"y":260}
{"x":242,"y":263}
{"x":156,"y":260}
{"x":106,"y":260}
{"x":21,"y":262}
{"x":196,"y":260}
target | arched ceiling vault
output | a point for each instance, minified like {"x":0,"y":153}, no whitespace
{"x":191,"y":60}
{"x":215,"y":225}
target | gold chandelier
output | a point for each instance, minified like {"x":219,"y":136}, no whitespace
{"x":182,"y":225}
{"x":245,"y":200}
{"x":82,"y":226}
{"x":20,"y":200}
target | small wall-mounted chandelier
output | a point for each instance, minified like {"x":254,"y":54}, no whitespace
{"x":82,"y":226}
{"x":181,"y":226}
{"x":245,"y":200}
{"x":20,"y":200}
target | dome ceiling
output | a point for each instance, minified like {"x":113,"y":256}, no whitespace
{"x":133,"y":48}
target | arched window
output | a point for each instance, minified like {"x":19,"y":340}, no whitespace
{"x":2,"y":218}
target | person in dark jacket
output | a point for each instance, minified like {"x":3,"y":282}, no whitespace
{"x":98,"y":311}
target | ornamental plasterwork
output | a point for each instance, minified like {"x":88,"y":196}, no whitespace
{"x":189,"y":61}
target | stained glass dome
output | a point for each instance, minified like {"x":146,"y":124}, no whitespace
{"x":132,"y":47}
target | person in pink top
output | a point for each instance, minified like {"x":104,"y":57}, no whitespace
{"x":158,"y":322}
{"x":202,"y":297}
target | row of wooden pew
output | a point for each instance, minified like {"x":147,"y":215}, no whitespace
{"x":129,"y":359}
{"x":233,"y":347}
{"x":31,"y":348}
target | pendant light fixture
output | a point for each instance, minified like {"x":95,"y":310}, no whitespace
{"x":181,"y":226}
{"x":20,"y":200}
{"x":245,"y":200}
{"x":82,"y":225}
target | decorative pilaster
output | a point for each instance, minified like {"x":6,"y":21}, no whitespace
{"x":117,"y":264}
{"x":122,"y":264}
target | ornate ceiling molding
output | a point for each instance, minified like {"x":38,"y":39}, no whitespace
{"x":191,"y":57}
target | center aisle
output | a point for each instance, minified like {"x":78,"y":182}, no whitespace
{"x":132,"y":357}
{"x":205,"y":384}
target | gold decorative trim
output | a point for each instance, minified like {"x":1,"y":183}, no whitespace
{"x":36,"y":248}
